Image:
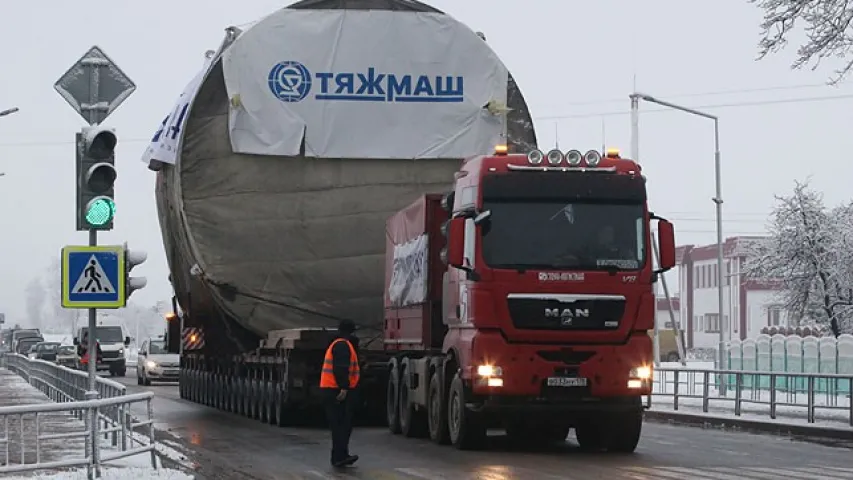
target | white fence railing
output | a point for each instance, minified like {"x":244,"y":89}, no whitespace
{"x":813,"y":394}
{"x":90,"y":431}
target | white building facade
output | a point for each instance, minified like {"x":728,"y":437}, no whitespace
{"x":748,"y":304}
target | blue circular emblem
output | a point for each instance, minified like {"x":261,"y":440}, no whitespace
{"x":290,"y":81}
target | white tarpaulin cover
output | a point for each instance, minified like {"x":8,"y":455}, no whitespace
{"x":408,"y":284}
{"x":263,"y":242}
{"x":164,"y":145}
{"x":333,"y":78}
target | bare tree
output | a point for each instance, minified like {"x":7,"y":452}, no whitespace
{"x":806,"y":253}
{"x":35,"y":298}
{"x":55,"y":316}
{"x":826,"y":24}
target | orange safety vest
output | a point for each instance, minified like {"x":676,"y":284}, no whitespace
{"x":327,"y":376}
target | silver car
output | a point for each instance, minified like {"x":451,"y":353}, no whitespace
{"x":155,"y":364}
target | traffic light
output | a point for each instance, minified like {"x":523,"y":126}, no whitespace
{"x":96,"y":176}
{"x":133,"y":258}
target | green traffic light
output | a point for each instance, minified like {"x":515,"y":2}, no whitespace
{"x":100,"y":212}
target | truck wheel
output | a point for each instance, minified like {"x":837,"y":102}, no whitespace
{"x":626,"y":430}
{"x":392,"y":398}
{"x":413,"y":423}
{"x":466,"y":431}
{"x":122,"y":372}
{"x":437,"y":412}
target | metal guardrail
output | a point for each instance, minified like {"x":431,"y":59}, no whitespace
{"x":809,"y":391}
{"x":108,"y":416}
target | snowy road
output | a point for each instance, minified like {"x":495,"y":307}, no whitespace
{"x":226,"y":446}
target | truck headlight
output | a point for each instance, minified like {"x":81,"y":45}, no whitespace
{"x":151,"y":364}
{"x":642,"y":373}
{"x":634,"y":383}
{"x":489,"y":371}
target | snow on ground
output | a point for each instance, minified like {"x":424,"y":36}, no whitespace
{"x":15,"y":391}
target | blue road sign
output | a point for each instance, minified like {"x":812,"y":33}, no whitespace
{"x":93,"y":277}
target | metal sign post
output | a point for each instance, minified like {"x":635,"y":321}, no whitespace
{"x":94,"y":87}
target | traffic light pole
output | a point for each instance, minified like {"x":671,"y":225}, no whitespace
{"x":92,"y":394}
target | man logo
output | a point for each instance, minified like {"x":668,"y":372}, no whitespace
{"x":567,"y":315}
{"x":290,"y":81}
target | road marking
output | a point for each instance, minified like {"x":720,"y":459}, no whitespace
{"x":739,"y":473}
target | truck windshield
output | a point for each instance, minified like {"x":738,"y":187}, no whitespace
{"x":564,"y":236}
{"x":107,"y":334}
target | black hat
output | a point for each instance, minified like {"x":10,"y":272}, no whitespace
{"x":346,"y":327}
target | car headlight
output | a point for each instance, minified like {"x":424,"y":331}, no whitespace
{"x":121,"y":351}
{"x":151,"y":364}
{"x":642,"y":373}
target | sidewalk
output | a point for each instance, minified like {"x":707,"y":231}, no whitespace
{"x":15,"y":391}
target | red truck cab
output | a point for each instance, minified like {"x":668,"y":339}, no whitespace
{"x":535,"y":304}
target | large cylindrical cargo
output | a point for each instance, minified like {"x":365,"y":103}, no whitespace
{"x":305,"y":133}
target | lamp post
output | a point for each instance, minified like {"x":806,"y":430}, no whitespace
{"x":718,"y":200}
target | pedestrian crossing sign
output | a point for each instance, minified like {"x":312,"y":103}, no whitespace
{"x":93,"y":277}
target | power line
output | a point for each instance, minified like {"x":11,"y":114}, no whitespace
{"x":715,"y":93}
{"x":552,"y":117}
{"x":709,"y":106}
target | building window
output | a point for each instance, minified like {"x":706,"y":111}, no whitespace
{"x":728,"y":272}
{"x":774,"y":316}
{"x":696,"y":277}
{"x":737,"y":319}
{"x":697,"y":323}
{"x":712,"y":323}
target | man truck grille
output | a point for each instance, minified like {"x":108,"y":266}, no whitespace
{"x":566,"y":312}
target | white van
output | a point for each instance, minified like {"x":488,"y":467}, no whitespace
{"x":113,"y":344}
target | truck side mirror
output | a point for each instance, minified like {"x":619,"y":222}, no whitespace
{"x":666,"y":245}
{"x":76,"y":341}
{"x":126,"y":341}
{"x":456,"y":242}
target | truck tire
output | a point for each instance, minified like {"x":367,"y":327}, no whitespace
{"x":122,"y":372}
{"x":626,"y":434}
{"x":614,"y":432}
{"x":413,"y":423}
{"x":466,"y":431}
{"x":392,"y":399}
{"x":437,"y":412}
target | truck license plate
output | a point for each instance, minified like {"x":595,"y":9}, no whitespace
{"x":566,"y":382}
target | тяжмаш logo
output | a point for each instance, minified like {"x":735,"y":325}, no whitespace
{"x":290,"y":81}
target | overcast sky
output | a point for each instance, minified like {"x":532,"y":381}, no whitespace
{"x":575,"y":61}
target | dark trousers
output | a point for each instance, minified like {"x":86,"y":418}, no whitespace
{"x":340,"y":415}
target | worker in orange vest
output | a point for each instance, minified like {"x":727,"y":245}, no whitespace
{"x":338,"y":380}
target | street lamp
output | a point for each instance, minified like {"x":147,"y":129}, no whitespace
{"x":718,"y":200}
{"x":9,"y":111}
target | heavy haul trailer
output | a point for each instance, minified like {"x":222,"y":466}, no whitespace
{"x":279,"y":166}
{"x":540,"y":323}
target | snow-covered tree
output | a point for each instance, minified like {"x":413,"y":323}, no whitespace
{"x":826,"y":24}
{"x":808,"y":252}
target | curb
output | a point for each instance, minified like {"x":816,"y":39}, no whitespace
{"x":778,"y":428}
